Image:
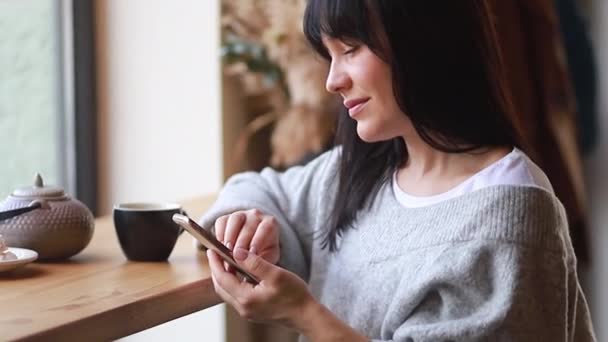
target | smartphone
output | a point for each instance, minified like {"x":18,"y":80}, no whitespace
{"x":208,"y":240}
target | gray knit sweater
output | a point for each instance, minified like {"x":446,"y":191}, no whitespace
{"x":495,"y":264}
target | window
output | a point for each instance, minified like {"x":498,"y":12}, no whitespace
{"x":47,"y":121}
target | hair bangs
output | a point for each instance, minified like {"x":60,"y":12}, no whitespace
{"x":345,"y":20}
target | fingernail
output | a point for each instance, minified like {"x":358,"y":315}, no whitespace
{"x":229,"y":245}
{"x":253,"y":250}
{"x":240,"y":254}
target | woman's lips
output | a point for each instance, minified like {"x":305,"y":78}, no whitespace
{"x":355,"y":106}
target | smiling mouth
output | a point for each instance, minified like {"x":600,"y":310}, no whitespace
{"x":357,"y":108}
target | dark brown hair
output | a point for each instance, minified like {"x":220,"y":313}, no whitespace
{"x":447,"y":78}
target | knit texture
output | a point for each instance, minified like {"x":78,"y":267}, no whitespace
{"x":495,"y":264}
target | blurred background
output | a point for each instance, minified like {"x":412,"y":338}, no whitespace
{"x":162,"y":100}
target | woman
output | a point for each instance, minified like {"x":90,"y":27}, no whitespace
{"x":427,"y":222}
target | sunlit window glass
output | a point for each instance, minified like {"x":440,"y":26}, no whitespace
{"x":30,"y":93}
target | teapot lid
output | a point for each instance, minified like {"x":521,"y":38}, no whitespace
{"x":39,"y":190}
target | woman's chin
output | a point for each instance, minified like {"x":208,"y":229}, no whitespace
{"x":372,"y":134}
{"x":368,"y":135}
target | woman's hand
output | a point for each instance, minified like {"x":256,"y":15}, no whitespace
{"x":250,"y":230}
{"x":280,"y":297}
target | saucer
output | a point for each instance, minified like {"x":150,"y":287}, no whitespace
{"x":24,"y":256}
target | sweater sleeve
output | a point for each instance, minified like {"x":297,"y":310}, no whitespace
{"x":299,"y":199}
{"x":484,"y":290}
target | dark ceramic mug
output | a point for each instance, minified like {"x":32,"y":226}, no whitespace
{"x":146,"y":231}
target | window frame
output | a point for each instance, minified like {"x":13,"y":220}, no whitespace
{"x":78,"y":132}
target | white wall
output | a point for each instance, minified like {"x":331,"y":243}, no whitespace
{"x":597,"y":167}
{"x":159,"y":116}
{"x":160,"y":130}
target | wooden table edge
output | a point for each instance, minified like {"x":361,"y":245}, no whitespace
{"x":135,"y":316}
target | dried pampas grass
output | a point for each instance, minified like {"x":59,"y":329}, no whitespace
{"x":304,"y":114}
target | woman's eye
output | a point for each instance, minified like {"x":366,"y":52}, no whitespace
{"x":351,"y":50}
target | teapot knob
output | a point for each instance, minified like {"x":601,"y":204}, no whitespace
{"x":38,"y":183}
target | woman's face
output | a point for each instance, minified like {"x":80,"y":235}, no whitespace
{"x":365,"y":83}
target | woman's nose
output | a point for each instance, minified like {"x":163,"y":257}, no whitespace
{"x":337,"y":79}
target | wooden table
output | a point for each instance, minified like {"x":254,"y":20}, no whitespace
{"x":99,"y":295}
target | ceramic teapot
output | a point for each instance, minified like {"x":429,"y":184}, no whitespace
{"x":46,"y":220}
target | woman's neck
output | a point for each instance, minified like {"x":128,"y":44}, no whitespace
{"x":429,"y":171}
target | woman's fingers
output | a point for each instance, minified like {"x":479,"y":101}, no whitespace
{"x":233,"y":228}
{"x":254,"y":217}
{"x":250,"y":230}
{"x":265,"y":239}
{"x":215,"y":264}
{"x":228,"y":283}
{"x":266,"y":233}
{"x":220,"y":227}
{"x":276,"y":298}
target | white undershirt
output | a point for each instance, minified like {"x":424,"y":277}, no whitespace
{"x":515,"y":168}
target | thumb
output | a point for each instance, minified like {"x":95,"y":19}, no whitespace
{"x":253,"y":263}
